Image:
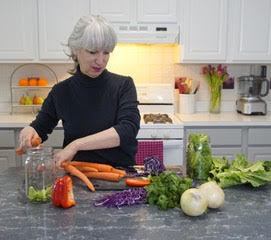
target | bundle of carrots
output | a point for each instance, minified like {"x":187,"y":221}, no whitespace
{"x":86,"y":170}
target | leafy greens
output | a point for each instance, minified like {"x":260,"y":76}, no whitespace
{"x":199,"y":156}
{"x":166,"y":189}
{"x":240,"y":171}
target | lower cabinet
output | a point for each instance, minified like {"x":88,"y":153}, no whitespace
{"x":224,"y":141}
{"x":7,"y":159}
{"x":259,"y":143}
{"x":7,"y":146}
{"x":254,"y":142}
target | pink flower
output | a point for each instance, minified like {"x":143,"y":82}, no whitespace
{"x":219,"y":73}
{"x":204,"y":70}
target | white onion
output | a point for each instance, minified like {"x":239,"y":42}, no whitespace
{"x":193,"y":202}
{"x":214,"y":194}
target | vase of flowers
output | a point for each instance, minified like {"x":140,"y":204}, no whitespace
{"x":215,"y":77}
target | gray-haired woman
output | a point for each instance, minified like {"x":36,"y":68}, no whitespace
{"x":98,"y":108}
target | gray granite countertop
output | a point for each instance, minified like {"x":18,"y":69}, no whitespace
{"x":245,"y":215}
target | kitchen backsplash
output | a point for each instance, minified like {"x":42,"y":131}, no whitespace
{"x":145,"y":63}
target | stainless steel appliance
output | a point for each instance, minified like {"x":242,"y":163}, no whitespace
{"x":251,"y":89}
{"x":158,"y":122}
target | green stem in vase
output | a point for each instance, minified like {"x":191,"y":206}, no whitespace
{"x":215,"y":100}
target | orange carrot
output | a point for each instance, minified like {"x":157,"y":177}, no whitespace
{"x":109,"y":176}
{"x":101,"y":167}
{"x":120,"y":172}
{"x":74,"y":171}
{"x":87,"y":169}
{"x":35,"y":142}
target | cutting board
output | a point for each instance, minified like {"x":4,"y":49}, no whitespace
{"x":102,"y":185}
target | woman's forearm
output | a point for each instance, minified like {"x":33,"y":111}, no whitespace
{"x":105,"y":139}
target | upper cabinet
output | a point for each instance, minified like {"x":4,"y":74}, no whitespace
{"x":18,"y":26}
{"x":204,"y":30}
{"x":117,"y":11}
{"x":230,"y":31}
{"x":56,"y":22}
{"x":251,"y":30}
{"x":141,"y":21}
{"x":136,"y":11}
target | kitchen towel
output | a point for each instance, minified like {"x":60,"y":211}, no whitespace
{"x":147,"y":149}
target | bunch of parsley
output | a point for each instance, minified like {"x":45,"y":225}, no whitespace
{"x":166,"y":189}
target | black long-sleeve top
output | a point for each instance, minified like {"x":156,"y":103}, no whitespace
{"x":89,"y":105}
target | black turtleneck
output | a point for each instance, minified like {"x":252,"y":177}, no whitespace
{"x":89,"y":105}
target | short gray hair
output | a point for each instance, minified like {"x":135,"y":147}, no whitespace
{"x":92,"y":33}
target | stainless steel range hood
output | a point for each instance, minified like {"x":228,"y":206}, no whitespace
{"x":161,"y":33}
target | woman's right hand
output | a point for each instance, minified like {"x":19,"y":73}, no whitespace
{"x":25,"y":137}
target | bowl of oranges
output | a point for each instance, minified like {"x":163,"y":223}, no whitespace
{"x":33,"y":82}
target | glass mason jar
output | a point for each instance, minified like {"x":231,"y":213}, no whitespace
{"x":199,"y":156}
{"x":40,"y":172}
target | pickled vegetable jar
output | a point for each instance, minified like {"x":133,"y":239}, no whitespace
{"x":199,"y":156}
{"x":40,"y":172}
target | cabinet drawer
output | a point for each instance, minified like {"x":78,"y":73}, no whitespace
{"x":259,"y":136}
{"x":7,"y":138}
{"x":219,"y":136}
{"x":55,"y":139}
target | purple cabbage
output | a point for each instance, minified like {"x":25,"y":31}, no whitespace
{"x":153,"y":165}
{"x":127,"y":197}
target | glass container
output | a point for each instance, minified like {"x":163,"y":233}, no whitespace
{"x":40,"y":173}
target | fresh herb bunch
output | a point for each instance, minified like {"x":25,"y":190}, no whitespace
{"x":166,"y":189}
{"x":199,"y":156}
{"x":215,"y":76}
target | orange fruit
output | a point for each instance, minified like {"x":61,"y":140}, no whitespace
{"x":42,"y":82}
{"x":23,"y":82}
{"x":33,"y":81}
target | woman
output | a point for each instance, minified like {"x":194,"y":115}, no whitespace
{"x":98,"y":108}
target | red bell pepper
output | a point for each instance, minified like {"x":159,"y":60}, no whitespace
{"x":62,"y":195}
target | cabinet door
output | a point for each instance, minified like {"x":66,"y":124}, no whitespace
{"x":252,"y":30}
{"x":220,"y":136}
{"x":259,"y":153}
{"x":204,"y":31}
{"x":18,"y":29}
{"x":7,"y":159}
{"x":229,"y":153}
{"x":157,"y":11}
{"x":117,"y":11}
{"x":56,"y":22}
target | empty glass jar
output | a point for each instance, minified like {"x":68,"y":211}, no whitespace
{"x":40,"y":172}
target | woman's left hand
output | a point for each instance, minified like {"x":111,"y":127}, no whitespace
{"x":65,"y":154}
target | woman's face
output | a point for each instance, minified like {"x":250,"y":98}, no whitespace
{"x":92,"y":64}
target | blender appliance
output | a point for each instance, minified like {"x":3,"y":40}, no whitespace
{"x":251,"y":89}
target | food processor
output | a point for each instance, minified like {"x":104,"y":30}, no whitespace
{"x":251,"y":88}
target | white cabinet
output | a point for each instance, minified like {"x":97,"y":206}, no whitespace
{"x":157,"y":11}
{"x":136,"y":11}
{"x":226,"y":31}
{"x":56,"y":22}
{"x":7,"y":149}
{"x":224,"y":141}
{"x":18,"y":26}
{"x":7,"y":159}
{"x":117,"y":11}
{"x":259,"y":143}
{"x":141,"y":21}
{"x":252,"y":30}
{"x":204,"y":30}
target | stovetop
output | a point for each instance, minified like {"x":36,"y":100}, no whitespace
{"x":156,"y":118}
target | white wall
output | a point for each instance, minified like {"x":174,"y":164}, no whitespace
{"x":145,"y":64}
